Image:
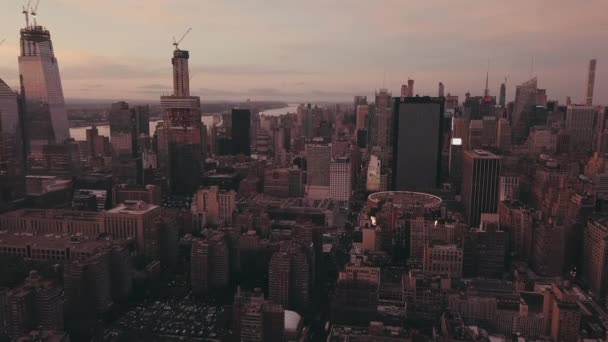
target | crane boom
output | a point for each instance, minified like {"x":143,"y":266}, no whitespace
{"x":176,"y":43}
{"x":2,"y":41}
{"x":34,"y":11}
{"x":26,"y":13}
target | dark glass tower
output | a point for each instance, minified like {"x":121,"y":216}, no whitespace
{"x":241,"y":131}
{"x":418,"y":141}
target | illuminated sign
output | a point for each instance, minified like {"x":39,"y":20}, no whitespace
{"x":457,"y":141}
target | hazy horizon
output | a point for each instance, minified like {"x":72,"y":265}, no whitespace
{"x":316,"y":51}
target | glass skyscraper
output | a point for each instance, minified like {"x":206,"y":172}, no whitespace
{"x":11,"y":146}
{"x":45,"y":116}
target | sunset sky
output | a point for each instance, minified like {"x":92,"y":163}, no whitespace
{"x":317,"y":49}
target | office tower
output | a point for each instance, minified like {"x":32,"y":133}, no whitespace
{"x":480,"y":181}
{"x":490,"y":128}
{"x":383,"y":116}
{"x":279,"y":275}
{"x":410,"y":87}
{"x":527,"y":96}
{"x":199,"y":266}
{"x":548,"y":251}
{"x":135,"y":219}
{"x":318,"y":158}
{"x":289,"y":278}
{"x":241,"y":131}
{"x":141,"y":119}
{"x":296,"y":180}
{"x":590,"y":82}
{"x":340,"y":179}
{"x":475,"y":137}
{"x":503,"y":136}
{"x":455,"y":163}
{"x":600,"y":142}
{"x":417,"y":122}
{"x":595,"y":256}
{"x":404,"y":90}
{"x":11,"y":143}
{"x":182,"y":129}
{"x":219,"y":261}
{"x":212,"y":206}
{"x":168,"y":231}
{"x":300,"y":281}
{"x":362,"y":112}
{"x":87,"y":285}
{"x":503,"y":95}
{"x":45,"y":117}
{"x":126,"y":165}
{"x":121,"y":271}
{"x":487,"y":248}
{"x":579,"y":123}
{"x":562,"y":313}
{"x":441,"y":90}
{"x":37,"y":303}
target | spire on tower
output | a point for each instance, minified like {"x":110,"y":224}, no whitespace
{"x":486,"y":92}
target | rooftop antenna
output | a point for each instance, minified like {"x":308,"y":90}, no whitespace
{"x":176,"y":42}
{"x":26,"y":13}
{"x":34,"y":11}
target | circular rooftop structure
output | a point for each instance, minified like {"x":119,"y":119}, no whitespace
{"x":405,"y":200}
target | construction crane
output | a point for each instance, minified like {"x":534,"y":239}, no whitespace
{"x":176,"y":42}
{"x":34,"y":11}
{"x":26,"y":13}
{"x":2,"y":41}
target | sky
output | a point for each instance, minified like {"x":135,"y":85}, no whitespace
{"x":317,"y":50}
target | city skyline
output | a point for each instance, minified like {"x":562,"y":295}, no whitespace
{"x":323,"y":52}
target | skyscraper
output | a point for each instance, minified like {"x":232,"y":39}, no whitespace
{"x":362,"y":112}
{"x":46,"y":116}
{"x":590,"y":82}
{"x":441,"y":89}
{"x":183,"y":130}
{"x":480,"y":184}
{"x":410,"y":87}
{"x":340,"y":179}
{"x":383,"y":117}
{"x":11,"y":145}
{"x":595,"y":256}
{"x":503,"y":95}
{"x":580,"y":121}
{"x":318,"y":158}
{"x":527,"y":95}
{"x":417,"y":142}
{"x":241,"y":131}
{"x":121,"y":129}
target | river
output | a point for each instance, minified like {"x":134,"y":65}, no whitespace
{"x":80,"y":133}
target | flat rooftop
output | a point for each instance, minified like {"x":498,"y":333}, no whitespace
{"x":132,"y":207}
